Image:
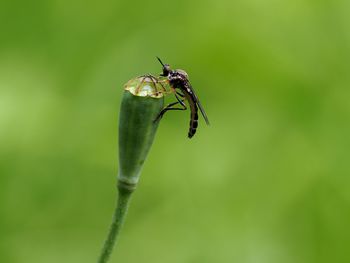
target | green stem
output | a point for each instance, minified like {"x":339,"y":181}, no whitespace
{"x":117,"y":223}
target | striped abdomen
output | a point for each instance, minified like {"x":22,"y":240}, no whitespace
{"x":194,"y":114}
{"x":193,"y":121}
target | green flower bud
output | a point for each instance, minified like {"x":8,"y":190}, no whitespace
{"x":142,"y":101}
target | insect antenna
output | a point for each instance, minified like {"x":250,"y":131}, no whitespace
{"x":160,"y":61}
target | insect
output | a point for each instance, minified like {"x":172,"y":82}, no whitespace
{"x":178,"y":80}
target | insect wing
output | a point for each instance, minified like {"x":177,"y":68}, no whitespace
{"x":198,"y":103}
{"x":203,"y":112}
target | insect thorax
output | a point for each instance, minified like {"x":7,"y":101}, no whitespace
{"x":178,"y":78}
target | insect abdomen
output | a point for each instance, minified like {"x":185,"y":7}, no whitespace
{"x":193,"y":121}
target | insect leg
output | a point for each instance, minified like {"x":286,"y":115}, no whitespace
{"x":180,"y":94}
{"x":169,"y":107}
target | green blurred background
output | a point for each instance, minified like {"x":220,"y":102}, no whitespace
{"x":267,"y":182}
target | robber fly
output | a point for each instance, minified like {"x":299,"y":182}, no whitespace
{"x":178,"y":80}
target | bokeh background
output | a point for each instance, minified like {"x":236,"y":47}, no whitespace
{"x":267,"y":182}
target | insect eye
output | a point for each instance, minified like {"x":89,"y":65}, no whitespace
{"x":166,"y":70}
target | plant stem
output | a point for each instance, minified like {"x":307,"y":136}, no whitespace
{"x":117,"y":223}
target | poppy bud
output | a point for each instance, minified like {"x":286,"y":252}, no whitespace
{"x":142,"y":101}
